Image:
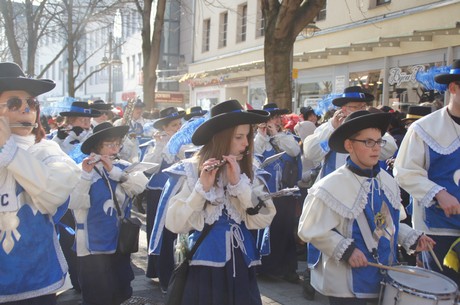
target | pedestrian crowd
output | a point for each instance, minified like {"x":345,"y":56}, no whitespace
{"x":232,"y":194}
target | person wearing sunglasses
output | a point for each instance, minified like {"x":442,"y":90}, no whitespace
{"x":36,"y":179}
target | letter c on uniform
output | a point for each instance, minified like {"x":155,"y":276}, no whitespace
{"x":4,"y":200}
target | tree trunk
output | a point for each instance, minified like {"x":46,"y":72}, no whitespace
{"x":278,"y":74}
{"x":283,"y":22}
{"x":151,"y":50}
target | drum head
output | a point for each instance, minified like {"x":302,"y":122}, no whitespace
{"x":429,"y":282}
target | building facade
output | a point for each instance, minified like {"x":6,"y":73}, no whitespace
{"x":378,"y":44}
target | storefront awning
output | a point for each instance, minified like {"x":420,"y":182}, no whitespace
{"x":368,"y":46}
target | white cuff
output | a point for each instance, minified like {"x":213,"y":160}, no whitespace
{"x":7,"y":152}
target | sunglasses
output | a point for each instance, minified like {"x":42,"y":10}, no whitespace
{"x":15,"y":103}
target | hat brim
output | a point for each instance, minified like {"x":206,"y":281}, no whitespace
{"x":446,"y":78}
{"x":194,"y":114}
{"x":346,"y":130}
{"x":34,"y":87}
{"x":340,"y":101}
{"x":218,"y":123}
{"x":279,"y":112}
{"x":80,"y":114}
{"x":112,"y":132}
{"x":163,"y":121}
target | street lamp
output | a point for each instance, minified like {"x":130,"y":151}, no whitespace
{"x":110,"y":59}
{"x":310,"y":30}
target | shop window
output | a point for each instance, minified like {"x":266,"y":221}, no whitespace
{"x":311,"y":93}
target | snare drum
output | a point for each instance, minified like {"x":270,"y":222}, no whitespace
{"x":427,"y":289}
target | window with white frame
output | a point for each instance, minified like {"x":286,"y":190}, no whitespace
{"x":206,"y":35}
{"x":242,"y":12}
{"x":260,"y":21}
{"x":223,"y":23}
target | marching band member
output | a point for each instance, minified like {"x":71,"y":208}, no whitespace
{"x":352,"y":215}
{"x":105,"y":110}
{"x":77,"y":127}
{"x":219,"y":187}
{"x":37,"y":178}
{"x":167,"y":125}
{"x":270,"y":140}
{"x":427,"y":168}
{"x":104,"y":274}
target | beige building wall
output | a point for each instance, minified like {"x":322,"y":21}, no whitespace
{"x":353,"y":32}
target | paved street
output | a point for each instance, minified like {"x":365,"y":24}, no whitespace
{"x":147,"y":292}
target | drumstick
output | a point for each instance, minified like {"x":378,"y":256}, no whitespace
{"x":395,"y":269}
{"x":436,"y":260}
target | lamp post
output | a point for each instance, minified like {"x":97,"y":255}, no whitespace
{"x":110,"y":60}
{"x":310,"y":30}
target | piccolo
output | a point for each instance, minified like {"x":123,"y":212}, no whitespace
{"x":97,"y":158}
{"x":24,"y":124}
{"x":221,"y":163}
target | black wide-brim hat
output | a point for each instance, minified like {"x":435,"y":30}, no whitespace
{"x":105,"y":130}
{"x":167,"y":115}
{"x":13,"y":78}
{"x":273,"y":109}
{"x":194,"y":112}
{"x":353,"y":94}
{"x":416,"y":112}
{"x":80,"y":109}
{"x":226,"y":115}
{"x":101,"y":105}
{"x":452,"y":76}
{"x":356,"y":122}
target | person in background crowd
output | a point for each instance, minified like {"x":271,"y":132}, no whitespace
{"x":222,"y":271}
{"x":37,"y":177}
{"x":161,"y":263}
{"x":130,"y":150}
{"x":104,"y":274}
{"x":77,"y":127}
{"x":105,"y":110}
{"x":336,"y":219}
{"x":427,"y":168}
{"x":69,"y":137}
{"x":270,"y":140}
{"x":414,"y":113}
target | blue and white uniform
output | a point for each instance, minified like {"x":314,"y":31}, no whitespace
{"x":36,"y":178}
{"x":330,"y":222}
{"x":229,"y":248}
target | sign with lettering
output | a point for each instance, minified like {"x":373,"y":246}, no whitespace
{"x":397,"y":76}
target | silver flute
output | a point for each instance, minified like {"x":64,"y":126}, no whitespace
{"x":221,"y":163}
{"x":97,"y":158}
{"x":16,"y":125}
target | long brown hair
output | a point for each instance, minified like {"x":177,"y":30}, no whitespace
{"x":39,"y":132}
{"x":220,"y":145}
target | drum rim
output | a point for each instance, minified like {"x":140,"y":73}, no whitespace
{"x":423,"y":294}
